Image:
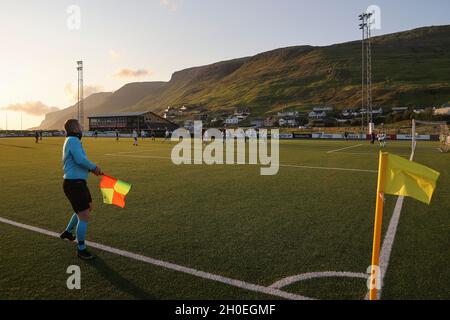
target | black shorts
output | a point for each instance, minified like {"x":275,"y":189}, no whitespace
{"x":78,"y":194}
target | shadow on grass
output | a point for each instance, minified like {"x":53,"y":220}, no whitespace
{"x":118,"y":280}
{"x":15,"y":146}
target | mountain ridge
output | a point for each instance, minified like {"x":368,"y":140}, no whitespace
{"x":410,"y":68}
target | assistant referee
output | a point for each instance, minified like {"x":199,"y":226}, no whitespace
{"x":76,"y":170}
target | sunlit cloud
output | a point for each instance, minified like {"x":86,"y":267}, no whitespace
{"x":128,"y":73}
{"x":72,"y":91}
{"x":169,"y":4}
{"x":33,"y":108}
{"x":114,"y":55}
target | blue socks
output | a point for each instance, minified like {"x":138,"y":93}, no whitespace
{"x":81,"y":230}
{"x":81,"y":234}
{"x":72,"y":223}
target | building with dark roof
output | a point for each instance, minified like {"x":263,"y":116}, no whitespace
{"x":128,"y":121}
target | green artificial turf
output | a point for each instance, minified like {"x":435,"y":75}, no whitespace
{"x":223,"y":219}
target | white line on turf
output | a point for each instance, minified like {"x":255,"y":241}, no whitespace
{"x":346,"y":148}
{"x":281,"y":165}
{"x":171,"y":266}
{"x":132,"y":152}
{"x":374,"y":154}
{"x":385,"y":254}
{"x":135,"y":156}
{"x":312,"y":275}
{"x":327,"y":168}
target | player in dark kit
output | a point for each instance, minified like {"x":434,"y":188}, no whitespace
{"x":153,"y":135}
{"x":36,"y":137}
{"x":373,"y":137}
{"x":76,"y":171}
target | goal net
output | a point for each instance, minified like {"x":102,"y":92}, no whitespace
{"x":431,"y":130}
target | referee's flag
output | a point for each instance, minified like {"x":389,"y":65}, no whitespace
{"x":114,"y":191}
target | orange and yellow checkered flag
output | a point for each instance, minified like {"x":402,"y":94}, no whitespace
{"x":114,"y":191}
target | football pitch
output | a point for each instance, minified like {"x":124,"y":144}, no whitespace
{"x":221,"y":231}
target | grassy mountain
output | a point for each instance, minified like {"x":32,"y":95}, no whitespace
{"x":103,"y":102}
{"x":55,"y":120}
{"x":129,"y":95}
{"x":409,"y":68}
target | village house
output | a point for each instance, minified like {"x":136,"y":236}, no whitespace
{"x":317,"y":115}
{"x":287,"y":122}
{"x":257,"y":123}
{"x":322,"y":109}
{"x":289,"y":113}
{"x":396,"y":110}
{"x":269,"y":122}
{"x":232,"y":121}
{"x":242,"y":113}
{"x":442,"y":111}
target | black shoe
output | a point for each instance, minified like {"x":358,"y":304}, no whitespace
{"x":67,"y":235}
{"x":85,"y":255}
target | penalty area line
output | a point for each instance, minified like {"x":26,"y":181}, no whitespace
{"x":327,"y":168}
{"x":169,"y":265}
{"x":239,"y":163}
{"x":346,"y":148}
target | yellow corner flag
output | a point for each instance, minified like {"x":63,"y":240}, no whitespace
{"x":410,"y":179}
{"x":402,"y":177}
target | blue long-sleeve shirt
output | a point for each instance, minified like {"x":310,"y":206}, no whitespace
{"x":76,"y":164}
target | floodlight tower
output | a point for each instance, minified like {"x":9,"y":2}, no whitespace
{"x":369,"y":72}
{"x":366,"y":71}
{"x":80,"y":104}
{"x":362,"y":27}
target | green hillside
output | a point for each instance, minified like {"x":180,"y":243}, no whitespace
{"x":55,"y":120}
{"x":103,"y":102}
{"x":410,"y":68}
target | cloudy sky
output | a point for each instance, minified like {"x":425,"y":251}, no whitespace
{"x":147,"y":40}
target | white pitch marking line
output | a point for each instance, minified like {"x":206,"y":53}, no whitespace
{"x":169,"y":265}
{"x":312,"y":275}
{"x":281,"y":165}
{"x":134,"y":156}
{"x":370,"y":153}
{"x":346,"y":148}
{"x":125,"y":153}
{"x":327,"y":168}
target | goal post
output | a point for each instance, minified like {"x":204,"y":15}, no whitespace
{"x":437,"y":129}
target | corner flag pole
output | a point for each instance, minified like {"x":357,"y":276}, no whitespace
{"x":377,"y":228}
